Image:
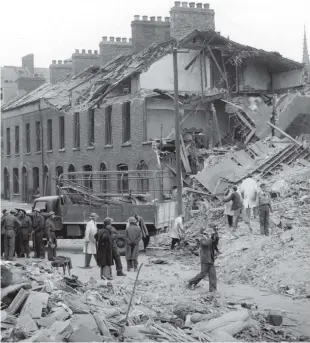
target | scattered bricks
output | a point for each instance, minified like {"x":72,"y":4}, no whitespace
{"x":274,"y":318}
{"x":59,"y":314}
{"x":18,"y":301}
{"x":35,"y":302}
{"x":83,"y":334}
{"x":26,"y":324}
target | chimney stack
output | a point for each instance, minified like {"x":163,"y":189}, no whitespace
{"x":28,"y":63}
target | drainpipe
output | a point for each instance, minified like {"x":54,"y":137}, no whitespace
{"x":42,"y":146}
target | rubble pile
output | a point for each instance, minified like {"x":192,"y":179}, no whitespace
{"x":44,"y":305}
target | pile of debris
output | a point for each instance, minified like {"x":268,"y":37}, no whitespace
{"x":42,"y":305}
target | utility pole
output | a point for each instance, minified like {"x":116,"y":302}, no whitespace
{"x":42,"y":148}
{"x":177,"y":132}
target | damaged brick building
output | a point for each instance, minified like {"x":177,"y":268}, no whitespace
{"x":115,"y":109}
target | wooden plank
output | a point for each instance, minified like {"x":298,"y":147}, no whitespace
{"x":35,"y":302}
{"x":14,"y":288}
{"x":18,"y":301}
{"x":213,"y":110}
{"x":249,"y":136}
{"x":304,"y":162}
{"x":217,"y":65}
{"x":184,"y":156}
{"x":284,"y":134}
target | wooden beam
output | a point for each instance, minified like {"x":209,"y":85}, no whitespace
{"x":249,"y":136}
{"x":216,"y":123}
{"x":218,"y":66}
{"x":284,"y":134}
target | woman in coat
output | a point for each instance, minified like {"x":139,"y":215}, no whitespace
{"x":105,"y":250}
{"x":90,"y":241}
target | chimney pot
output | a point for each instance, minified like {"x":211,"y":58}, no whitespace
{"x":199,"y":5}
{"x":118,"y":39}
{"x":59,"y":61}
{"x":144,"y":17}
{"x":77,"y":51}
{"x":206,"y":6}
{"x":167,"y":19}
{"x":96,"y":52}
{"x":111,"y":39}
{"x":54,"y":62}
{"x":89,"y":51}
{"x":184,"y":4}
{"x":152,"y":18}
{"x":158,"y":18}
{"x":124,"y":40}
{"x":177,"y":3}
{"x":104,"y":38}
{"x":136,"y":17}
{"x":130,"y":40}
{"x":83,"y":51}
{"x":192,"y":5}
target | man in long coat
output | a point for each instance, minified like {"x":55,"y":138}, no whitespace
{"x":24,"y":232}
{"x":144,"y":230}
{"x":133,"y":235}
{"x":50,"y":230}
{"x":38,"y":232}
{"x":11,"y":224}
{"x":90,"y":247}
{"x":105,"y":250}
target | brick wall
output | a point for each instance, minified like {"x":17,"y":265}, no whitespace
{"x":185,"y":19}
{"x":146,"y":32}
{"x":83,"y":60}
{"x":59,"y":70}
{"x":110,"y":155}
{"x":112,"y":48}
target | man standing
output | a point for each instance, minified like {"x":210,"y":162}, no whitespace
{"x":145,"y":232}
{"x":4,"y":213}
{"x":90,"y":247}
{"x":206,"y":261}
{"x":176,"y":231}
{"x":236,"y":206}
{"x":50,"y":230}
{"x":115,"y":253}
{"x":133,"y":235}
{"x":25,"y":232}
{"x":10,"y":224}
{"x":264,"y":202}
{"x":227,"y":207}
{"x":38,"y":231}
{"x":249,"y":192}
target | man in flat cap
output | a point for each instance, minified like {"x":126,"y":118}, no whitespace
{"x":24,"y":232}
{"x":38,"y":231}
{"x":50,"y":230}
{"x":11,"y":224}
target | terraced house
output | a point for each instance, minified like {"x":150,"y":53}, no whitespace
{"x":113,"y":110}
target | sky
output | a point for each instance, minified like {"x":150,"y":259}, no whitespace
{"x":53,"y":29}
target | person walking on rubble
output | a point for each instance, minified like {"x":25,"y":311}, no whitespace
{"x":133,"y":235}
{"x":264,"y":201}
{"x":4,"y":213}
{"x":115,"y":253}
{"x":249,"y":192}
{"x":176,"y":231}
{"x":10,"y":224}
{"x":90,"y":247}
{"x":227,"y":207}
{"x":236,"y":206}
{"x":144,"y":230}
{"x":38,"y":233}
{"x":105,"y":250}
{"x":50,"y":230}
{"x":25,"y":233}
{"x":206,"y":261}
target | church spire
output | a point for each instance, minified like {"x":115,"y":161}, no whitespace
{"x":305,"y":54}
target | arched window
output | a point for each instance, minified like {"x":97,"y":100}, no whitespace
{"x":103,"y":181}
{"x":36,"y":180}
{"x":24,"y":185}
{"x":58,"y":171}
{"x":143,"y":181}
{"x":15,"y":181}
{"x":6,"y":184}
{"x":122,"y":180}
{"x":71,"y":169}
{"x":88,"y":178}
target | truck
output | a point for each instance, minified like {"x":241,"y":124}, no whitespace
{"x":117,"y":195}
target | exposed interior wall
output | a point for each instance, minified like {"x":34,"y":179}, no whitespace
{"x":292,"y":78}
{"x":160,"y":74}
{"x":254,"y":76}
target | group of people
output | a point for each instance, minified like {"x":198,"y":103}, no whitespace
{"x":101,"y":243}
{"x":17,"y":228}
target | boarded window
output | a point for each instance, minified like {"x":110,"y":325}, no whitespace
{"x":27,"y":137}
{"x":88,"y":178}
{"x":122,"y":181}
{"x":108,"y":125}
{"x":76,"y":130}
{"x":126,"y":122}
{"x":71,"y":169}
{"x":16,"y":139}
{"x":8,"y":141}
{"x":38,"y":136}
{"x":103,"y":181}
{"x":143,"y":181}
{"x":91,"y":127}
{"x":15,"y":181}
{"x":61,"y":132}
{"x":49,"y":135}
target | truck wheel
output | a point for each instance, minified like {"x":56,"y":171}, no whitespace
{"x":121,"y":245}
